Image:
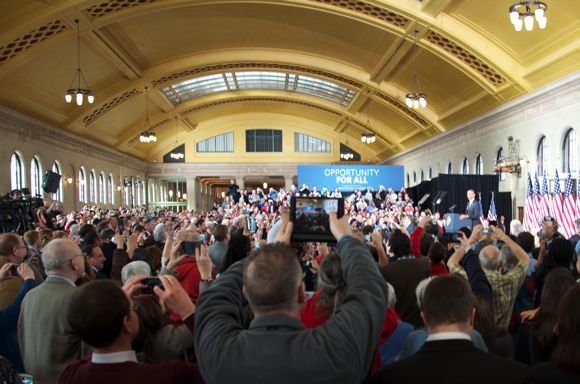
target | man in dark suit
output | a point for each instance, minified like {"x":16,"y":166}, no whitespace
{"x":449,"y":356}
{"x":473,"y":210}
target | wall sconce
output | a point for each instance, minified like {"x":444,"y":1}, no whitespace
{"x":118,"y":188}
{"x":170,"y":193}
{"x":68,"y":180}
{"x":265,"y":185}
{"x":184,"y":196}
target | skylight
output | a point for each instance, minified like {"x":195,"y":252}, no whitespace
{"x":235,"y":81}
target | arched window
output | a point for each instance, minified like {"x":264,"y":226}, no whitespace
{"x":465,"y":167}
{"x":422,"y":176}
{"x":16,"y":171}
{"x":102,"y":187}
{"x":111,"y":190}
{"x":542,"y":156}
{"x":35,"y":177}
{"x":430,"y":173}
{"x":449,"y":168}
{"x":126,"y":190}
{"x":478,"y":164}
{"x":58,"y":196}
{"x":408,"y":180}
{"x":569,"y":150}
{"x":82,"y":185}
{"x":92,"y":187}
{"x":498,"y":158}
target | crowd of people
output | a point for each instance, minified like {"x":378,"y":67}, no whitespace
{"x":137,"y":296}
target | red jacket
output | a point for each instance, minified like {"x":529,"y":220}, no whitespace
{"x":188,"y":275}
{"x":416,"y":241}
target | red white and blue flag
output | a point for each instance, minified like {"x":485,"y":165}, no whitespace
{"x":557,"y":208}
{"x":546,"y":200}
{"x":491,"y":213}
{"x":569,"y":208}
{"x":530,"y":214}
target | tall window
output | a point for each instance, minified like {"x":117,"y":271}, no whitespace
{"x":465,"y":167}
{"x":82,"y":185}
{"x":569,"y":150}
{"x":16,"y":171}
{"x":478,"y":165}
{"x":111,"y":190}
{"x":422,"y":176}
{"x":58,"y":195}
{"x":449,"y":168}
{"x":102,"y":194}
{"x":414,"y":177}
{"x":126,"y":190}
{"x":408,"y":180}
{"x":35,"y":173}
{"x":430,"y":173}
{"x":500,"y":157}
{"x":92,"y":187}
{"x":307,"y":143}
{"x":263,"y":140}
{"x":542,"y":156}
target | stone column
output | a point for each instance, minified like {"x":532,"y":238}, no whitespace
{"x":191,"y":197}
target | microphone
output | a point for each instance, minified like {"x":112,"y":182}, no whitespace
{"x":452,"y":208}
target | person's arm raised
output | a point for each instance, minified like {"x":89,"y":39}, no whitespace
{"x":518,"y":251}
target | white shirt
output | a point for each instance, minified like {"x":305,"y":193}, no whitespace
{"x":114,"y":358}
{"x":448,"y":336}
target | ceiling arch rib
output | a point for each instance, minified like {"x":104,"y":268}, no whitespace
{"x":131,"y":135}
{"x":390,"y":101}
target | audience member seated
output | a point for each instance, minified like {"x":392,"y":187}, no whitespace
{"x":449,"y":356}
{"x":103,"y":316}
{"x":276,"y":347}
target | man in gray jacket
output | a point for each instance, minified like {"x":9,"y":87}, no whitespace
{"x":276,"y":347}
{"x":46,"y":339}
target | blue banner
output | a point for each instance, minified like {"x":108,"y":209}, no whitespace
{"x":349,"y":177}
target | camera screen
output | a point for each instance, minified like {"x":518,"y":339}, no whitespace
{"x":312,"y":215}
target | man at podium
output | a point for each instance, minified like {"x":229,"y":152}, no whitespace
{"x":473,"y":210}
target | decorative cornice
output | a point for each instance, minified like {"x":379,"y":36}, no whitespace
{"x":220,"y":169}
{"x":15,"y":124}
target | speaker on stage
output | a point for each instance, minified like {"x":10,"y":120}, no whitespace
{"x":50,"y":182}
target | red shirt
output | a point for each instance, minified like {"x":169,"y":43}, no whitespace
{"x":438,"y":269}
{"x":188,"y":275}
{"x":416,"y":241}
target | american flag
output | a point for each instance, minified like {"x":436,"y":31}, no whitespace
{"x":530,"y":217}
{"x":491,"y":213}
{"x":537,"y":200}
{"x":569,"y":209}
{"x":578,"y":195}
{"x":546,"y":200}
{"x":557,"y":208}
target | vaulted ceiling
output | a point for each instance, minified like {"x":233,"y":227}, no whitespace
{"x":468,"y":59}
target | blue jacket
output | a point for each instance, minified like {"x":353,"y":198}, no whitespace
{"x":8,"y":322}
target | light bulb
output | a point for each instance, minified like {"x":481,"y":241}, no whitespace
{"x":363,"y":138}
{"x":184,"y":196}
{"x":529,"y":23}
{"x":514,"y":16}
{"x":423,"y":102}
{"x":170,"y":193}
{"x":409,"y":102}
{"x":539,"y":13}
{"x":68,"y":97}
{"x":415,"y":104}
{"x":79,"y":99}
{"x":518,"y":25}
{"x":91,"y":99}
{"x":542,"y":22}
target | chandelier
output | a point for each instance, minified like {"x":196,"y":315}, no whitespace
{"x":512,"y":163}
{"x":147,"y":136}
{"x":177,"y":155}
{"x":522,"y":14}
{"x":346,"y":156}
{"x":81,"y":90}
{"x":368,"y":138}
{"x":416,"y":99}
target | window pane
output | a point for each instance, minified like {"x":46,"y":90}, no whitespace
{"x":307,"y":143}
{"x":220,"y":143}
{"x":16,"y":172}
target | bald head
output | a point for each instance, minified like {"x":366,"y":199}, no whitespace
{"x":58,"y":254}
{"x":489,"y":258}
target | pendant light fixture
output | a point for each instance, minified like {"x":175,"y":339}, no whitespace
{"x":416,"y":99}
{"x":368,"y":138}
{"x":176,"y":154}
{"x":522,"y":14}
{"x":82,"y":89}
{"x":147,"y":136}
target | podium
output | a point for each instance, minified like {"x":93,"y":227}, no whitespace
{"x":453,"y":223}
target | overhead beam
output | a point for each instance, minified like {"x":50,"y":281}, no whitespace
{"x":435,"y":7}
